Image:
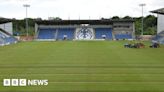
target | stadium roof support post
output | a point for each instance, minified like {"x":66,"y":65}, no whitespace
{"x":26,"y":6}
{"x":142,"y":25}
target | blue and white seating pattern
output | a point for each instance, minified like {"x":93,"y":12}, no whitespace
{"x":68,"y":33}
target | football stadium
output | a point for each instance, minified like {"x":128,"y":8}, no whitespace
{"x":81,"y":56}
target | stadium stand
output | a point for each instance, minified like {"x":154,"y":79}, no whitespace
{"x":74,"y":29}
{"x":105,"y":33}
{"x":159,"y":38}
{"x":65,"y":33}
{"x":6,"y":38}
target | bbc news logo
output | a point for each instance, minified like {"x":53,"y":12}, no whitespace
{"x":24,"y":82}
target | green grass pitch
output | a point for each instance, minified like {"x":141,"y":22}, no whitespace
{"x":83,"y":66}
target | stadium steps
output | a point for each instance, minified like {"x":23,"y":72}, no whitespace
{"x":6,"y":38}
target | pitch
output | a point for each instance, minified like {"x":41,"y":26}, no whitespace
{"x":83,"y":66}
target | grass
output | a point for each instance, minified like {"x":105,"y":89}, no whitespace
{"x":83,"y":66}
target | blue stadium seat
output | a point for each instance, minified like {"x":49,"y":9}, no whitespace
{"x":159,"y":38}
{"x":6,"y":39}
{"x":100,"y":32}
{"x":123,"y":36}
{"x":46,"y":33}
{"x":69,"y":32}
{"x":10,"y":40}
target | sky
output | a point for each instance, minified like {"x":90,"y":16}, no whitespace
{"x":77,"y":9}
